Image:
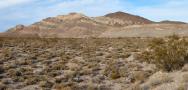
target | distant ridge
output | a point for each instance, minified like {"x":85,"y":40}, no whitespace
{"x":172,"y":22}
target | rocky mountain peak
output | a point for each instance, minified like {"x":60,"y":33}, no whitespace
{"x":129,"y":18}
{"x":118,"y":13}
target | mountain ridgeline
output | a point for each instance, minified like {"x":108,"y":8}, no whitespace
{"x":76,"y":25}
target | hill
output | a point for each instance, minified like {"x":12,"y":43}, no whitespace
{"x":76,"y":25}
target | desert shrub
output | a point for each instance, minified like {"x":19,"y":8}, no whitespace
{"x":168,"y":54}
{"x":112,"y":70}
{"x":2,"y":69}
{"x":6,"y":52}
{"x":61,"y":87}
{"x":37,"y":77}
{"x":46,"y":84}
{"x":14,"y":73}
{"x":32,"y":80}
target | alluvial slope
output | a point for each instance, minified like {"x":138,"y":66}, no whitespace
{"x":149,"y":30}
{"x":75,"y":25}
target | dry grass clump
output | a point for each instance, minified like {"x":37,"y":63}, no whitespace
{"x":168,"y":54}
{"x":6,"y":53}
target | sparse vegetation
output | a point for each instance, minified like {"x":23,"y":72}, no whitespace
{"x":82,"y":64}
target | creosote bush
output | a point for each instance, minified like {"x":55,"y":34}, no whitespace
{"x":168,"y":54}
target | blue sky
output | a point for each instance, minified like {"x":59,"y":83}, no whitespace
{"x":13,"y":12}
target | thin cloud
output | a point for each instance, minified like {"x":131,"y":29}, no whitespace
{"x":88,"y":7}
{"x":170,"y":10}
{"x":10,"y":3}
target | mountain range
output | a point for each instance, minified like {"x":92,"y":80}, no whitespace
{"x":112,"y":25}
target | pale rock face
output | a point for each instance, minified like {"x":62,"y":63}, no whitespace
{"x":71,"y":16}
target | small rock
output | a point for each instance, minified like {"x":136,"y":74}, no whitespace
{"x":78,"y":79}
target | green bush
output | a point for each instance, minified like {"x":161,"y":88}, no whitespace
{"x":168,"y":54}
